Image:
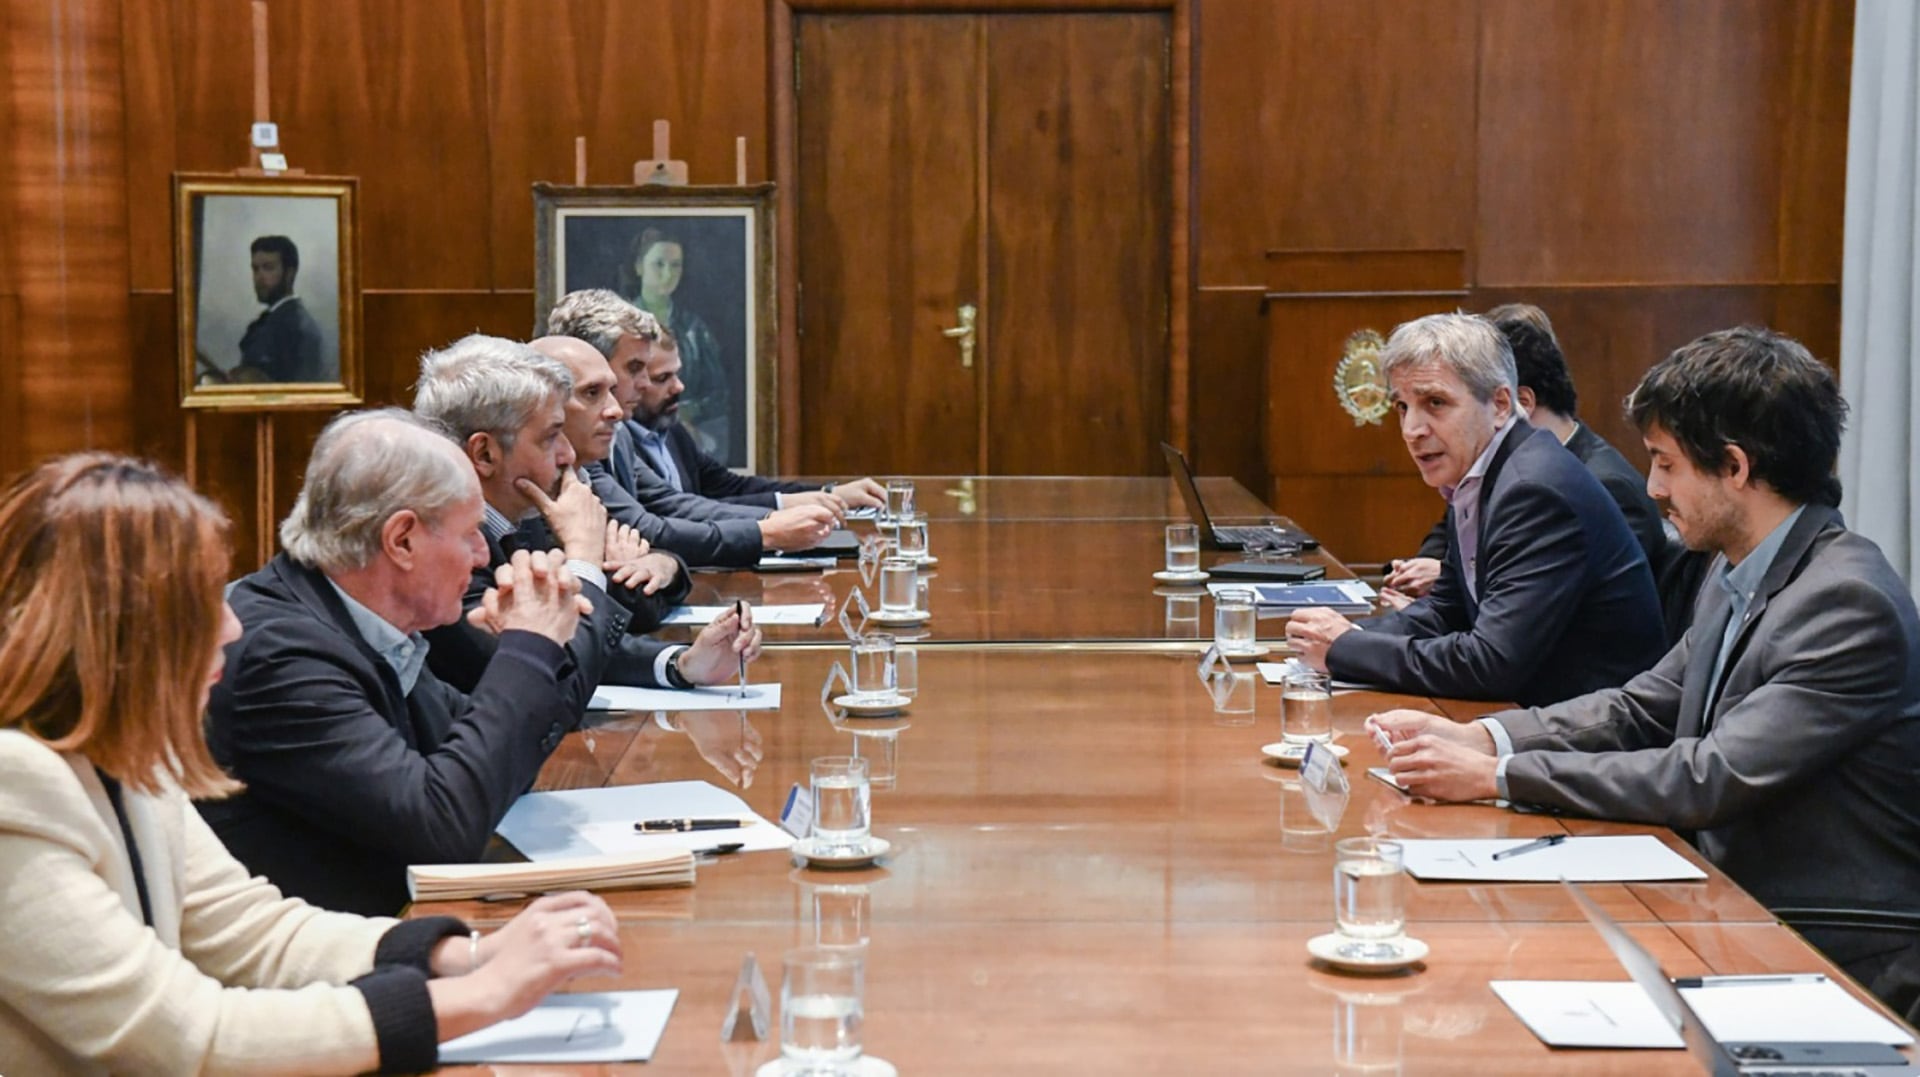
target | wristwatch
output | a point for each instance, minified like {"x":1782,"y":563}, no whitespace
{"x":675,"y":678}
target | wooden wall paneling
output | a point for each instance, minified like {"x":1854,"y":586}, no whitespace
{"x":1640,"y":141}
{"x":12,"y":451}
{"x":400,"y":326}
{"x":1816,"y":88}
{"x":1337,"y":472}
{"x":1229,"y":385}
{"x":211,"y":112}
{"x":1342,"y":124}
{"x":607,"y":70}
{"x":65,"y":191}
{"x":396,"y":95}
{"x":1078,"y":233}
{"x":887,"y":170}
{"x":1612,"y":335}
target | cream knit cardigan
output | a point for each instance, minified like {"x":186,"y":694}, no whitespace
{"x":231,"y":978}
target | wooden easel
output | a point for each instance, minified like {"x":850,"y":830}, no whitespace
{"x":263,"y":499}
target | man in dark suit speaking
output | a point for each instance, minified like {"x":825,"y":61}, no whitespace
{"x":1783,"y":731}
{"x":1545,"y":594}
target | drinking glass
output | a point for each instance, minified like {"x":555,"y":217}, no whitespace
{"x":1306,"y":707}
{"x":1369,"y":896}
{"x":822,"y":1006}
{"x":842,"y":804}
{"x":899,"y":585}
{"x":1233,"y":621}
{"x":899,"y":499}
{"x":873,"y":675}
{"x":1183,"y":549}
{"x":913,"y":536}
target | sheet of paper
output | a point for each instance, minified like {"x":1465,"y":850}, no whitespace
{"x":565,"y":823}
{"x":1566,"y":1013}
{"x":1304,"y":593}
{"x":1620,"y":859}
{"x":717,"y":697}
{"x":1275,"y":672}
{"x":808,"y":614}
{"x":605,"y":1026}
{"x":1574,"y":1013}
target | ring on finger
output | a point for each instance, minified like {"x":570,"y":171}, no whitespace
{"x":583,"y":932}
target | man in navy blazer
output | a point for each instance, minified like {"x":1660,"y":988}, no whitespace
{"x":1545,"y":594}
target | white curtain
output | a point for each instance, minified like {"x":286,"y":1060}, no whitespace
{"x":1879,"y":305}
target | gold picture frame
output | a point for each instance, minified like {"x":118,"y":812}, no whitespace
{"x":722,"y":295}
{"x":267,"y":291}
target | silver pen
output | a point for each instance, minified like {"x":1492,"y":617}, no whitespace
{"x":1751,"y":980}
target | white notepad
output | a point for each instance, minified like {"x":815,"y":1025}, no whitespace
{"x":809,"y":614}
{"x":603,"y":1026}
{"x":586,"y":822}
{"x":1572,"y":1013}
{"x":1620,"y":859}
{"x":717,"y":697}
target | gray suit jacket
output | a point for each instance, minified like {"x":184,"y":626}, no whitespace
{"x":732,"y":543}
{"x":1804,"y":785}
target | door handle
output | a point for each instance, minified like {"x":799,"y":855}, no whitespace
{"x":964,"y":333}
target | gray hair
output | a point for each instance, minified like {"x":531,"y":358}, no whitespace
{"x":366,"y":466}
{"x":488,"y":385}
{"x":600,"y":317}
{"x":1466,"y":344}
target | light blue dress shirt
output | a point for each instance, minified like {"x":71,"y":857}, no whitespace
{"x":405,"y":654}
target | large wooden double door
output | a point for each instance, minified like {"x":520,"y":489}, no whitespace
{"x":1016,"y":164}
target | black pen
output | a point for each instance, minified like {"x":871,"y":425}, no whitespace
{"x":1547,"y":842}
{"x":1755,"y":980}
{"x":739,"y":616}
{"x":666,"y":826}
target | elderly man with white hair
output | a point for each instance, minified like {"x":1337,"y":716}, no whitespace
{"x":357,"y":760}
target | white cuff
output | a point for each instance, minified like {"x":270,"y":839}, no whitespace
{"x":779,"y":500}
{"x":1502,"y":742}
{"x":587,"y":572}
{"x":1500,"y":776}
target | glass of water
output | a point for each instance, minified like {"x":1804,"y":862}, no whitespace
{"x":1183,"y":549}
{"x":913,"y":536}
{"x":1233,"y":621}
{"x":842,"y":804}
{"x":1306,"y":707}
{"x":1369,"y":897}
{"x":822,"y":1006}
{"x":899,"y":585}
{"x":899,"y":499}
{"x":873,"y":674}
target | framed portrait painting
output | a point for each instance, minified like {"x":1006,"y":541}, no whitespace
{"x":701,"y":260}
{"x":266,"y":291}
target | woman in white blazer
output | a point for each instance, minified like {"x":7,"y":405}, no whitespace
{"x":130,"y":940}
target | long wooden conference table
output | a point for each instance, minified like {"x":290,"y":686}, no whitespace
{"x":1092,"y":871}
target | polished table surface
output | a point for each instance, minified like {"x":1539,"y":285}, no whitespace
{"x":1125,"y":497}
{"x":1092,"y":869}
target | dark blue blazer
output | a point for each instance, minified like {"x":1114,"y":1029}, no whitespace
{"x":1565,"y":604}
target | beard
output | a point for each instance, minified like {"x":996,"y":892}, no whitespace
{"x":659,"y":421}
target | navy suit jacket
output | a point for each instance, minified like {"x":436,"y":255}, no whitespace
{"x":348,"y":779}
{"x":1622,"y":481}
{"x":732,"y":543}
{"x":701,"y":473}
{"x":1565,"y":603}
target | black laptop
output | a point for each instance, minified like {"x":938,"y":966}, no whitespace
{"x":1252,"y":536}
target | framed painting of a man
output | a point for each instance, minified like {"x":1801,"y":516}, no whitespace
{"x":700,"y":260}
{"x":266,"y":289}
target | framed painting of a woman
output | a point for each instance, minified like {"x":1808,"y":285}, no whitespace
{"x":700,"y":260}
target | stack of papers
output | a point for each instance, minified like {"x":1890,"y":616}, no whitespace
{"x":1624,"y":859}
{"x":626,"y":871}
{"x":1350,"y":597}
{"x":607,"y":1026}
{"x":1567,"y":1013}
